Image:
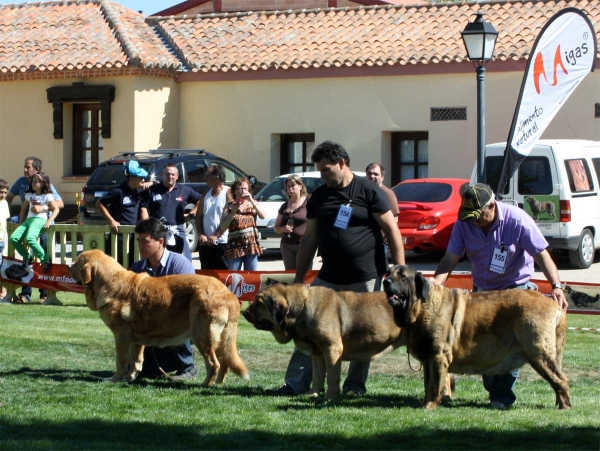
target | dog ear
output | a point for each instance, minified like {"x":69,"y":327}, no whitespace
{"x":422,"y":286}
{"x":279,"y":311}
{"x":86,"y":273}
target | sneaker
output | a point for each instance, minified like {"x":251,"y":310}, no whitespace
{"x":284,"y":390}
{"x":27,"y":264}
{"x":188,"y":374}
{"x":47,"y":267}
{"x":497,"y":405}
{"x":20,"y":300}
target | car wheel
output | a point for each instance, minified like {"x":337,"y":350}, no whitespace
{"x":583,"y":256}
{"x":191,"y":235}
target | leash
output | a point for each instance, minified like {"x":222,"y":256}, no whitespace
{"x":408,"y":353}
{"x":164,"y":373}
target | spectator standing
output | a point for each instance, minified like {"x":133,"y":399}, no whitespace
{"x":208,"y":219}
{"x":32,"y":223}
{"x":4,"y":217}
{"x":502,"y":242}
{"x":121,"y":206}
{"x":375,"y":173}
{"x":166,"y":201}
{"x":345,"y":216}
{"x":158,"y":261}
{"x":243,"y":247}
{"x":291,"y":220}
{"x":32,"y":166}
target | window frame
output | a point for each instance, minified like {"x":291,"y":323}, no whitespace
{"x":286,"y":165}
{"x":397,"y":165}
{"x":95,"y":129}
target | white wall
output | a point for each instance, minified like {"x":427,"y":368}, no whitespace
{"x":237,"y":119}
{"x":144,"y":115}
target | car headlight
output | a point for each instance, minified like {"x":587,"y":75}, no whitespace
{"x":271,"y":224}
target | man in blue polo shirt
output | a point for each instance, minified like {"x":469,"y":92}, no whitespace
{"x":158,"y":261}
{"x":167,"y":201}
{"x":121,"y":206}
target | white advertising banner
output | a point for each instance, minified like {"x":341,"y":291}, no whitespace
{"x":562,"y":55}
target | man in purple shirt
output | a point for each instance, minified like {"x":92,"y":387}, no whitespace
{"x":502,"y":242}
{"x":158,"y":261}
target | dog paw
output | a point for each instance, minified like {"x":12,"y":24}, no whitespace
{"x":131,"y":377}
{"x":114,"y":378}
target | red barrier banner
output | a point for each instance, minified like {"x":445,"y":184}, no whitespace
{"x":244,"y":284}
{"x":57,"y":279}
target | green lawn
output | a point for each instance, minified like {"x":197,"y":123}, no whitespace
{"x":51,"y":397}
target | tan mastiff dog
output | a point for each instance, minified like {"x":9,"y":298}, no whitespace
{"x":329,"y":326}
{"x":161,"y":311}
{"x":485,"y":333}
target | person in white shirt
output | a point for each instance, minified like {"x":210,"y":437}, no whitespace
{"x":208,"y":219}
{"x":4,"y":216}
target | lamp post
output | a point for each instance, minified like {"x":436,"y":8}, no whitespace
{"x":480,"y":39}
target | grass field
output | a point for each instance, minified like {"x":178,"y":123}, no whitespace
{"x":51,"y":397}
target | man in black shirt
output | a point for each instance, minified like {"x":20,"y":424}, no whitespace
{"x":168,"y":200}
{"x":345,"y":217}
{"x":121,"y":205}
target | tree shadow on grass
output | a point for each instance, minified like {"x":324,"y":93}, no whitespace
{"x":95,"y":434}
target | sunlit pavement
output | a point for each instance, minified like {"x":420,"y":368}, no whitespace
{"x":426,"y":262}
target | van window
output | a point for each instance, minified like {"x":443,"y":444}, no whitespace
{"x":493,"y":168}
{"x":596,"y":163}
{"x":579,"y":175}
{"x":535,"y":176}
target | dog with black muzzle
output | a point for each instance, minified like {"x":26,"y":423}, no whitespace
{"x":485,"y":333}
{"x":330,"y":326}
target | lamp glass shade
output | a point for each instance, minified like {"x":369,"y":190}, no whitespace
{"x":480,"y":39}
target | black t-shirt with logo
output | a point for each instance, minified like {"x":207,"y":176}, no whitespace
{"x":123,"y":204}
{"x":355,"y":254}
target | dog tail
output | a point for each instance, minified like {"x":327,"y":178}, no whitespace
{"x":229,"y":351}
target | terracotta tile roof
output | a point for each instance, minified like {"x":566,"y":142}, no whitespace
{"x":365,"y":36}
{"x":83,"y":34}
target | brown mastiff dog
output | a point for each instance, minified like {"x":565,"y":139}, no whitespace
{"x":329,"y":326}
{"x":164,"y":311}
{"x":481,"y":333}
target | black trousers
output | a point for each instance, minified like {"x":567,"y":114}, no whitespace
{"x":213,"y":257}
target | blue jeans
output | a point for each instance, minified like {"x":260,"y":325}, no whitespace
{"x":250,"y":263}
{"x":178,"y":358}
{"x":500,"y":386}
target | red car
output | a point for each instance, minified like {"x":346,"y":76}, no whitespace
{"x":428,"y":211}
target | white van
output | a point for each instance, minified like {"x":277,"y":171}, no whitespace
{"x":558,"y":185}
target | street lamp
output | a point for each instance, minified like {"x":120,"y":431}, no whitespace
{"x":480,"y":39}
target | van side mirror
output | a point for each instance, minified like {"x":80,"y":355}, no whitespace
{"x":252,"y":180}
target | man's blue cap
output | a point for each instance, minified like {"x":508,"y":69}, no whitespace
{"x":133,"y":169}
